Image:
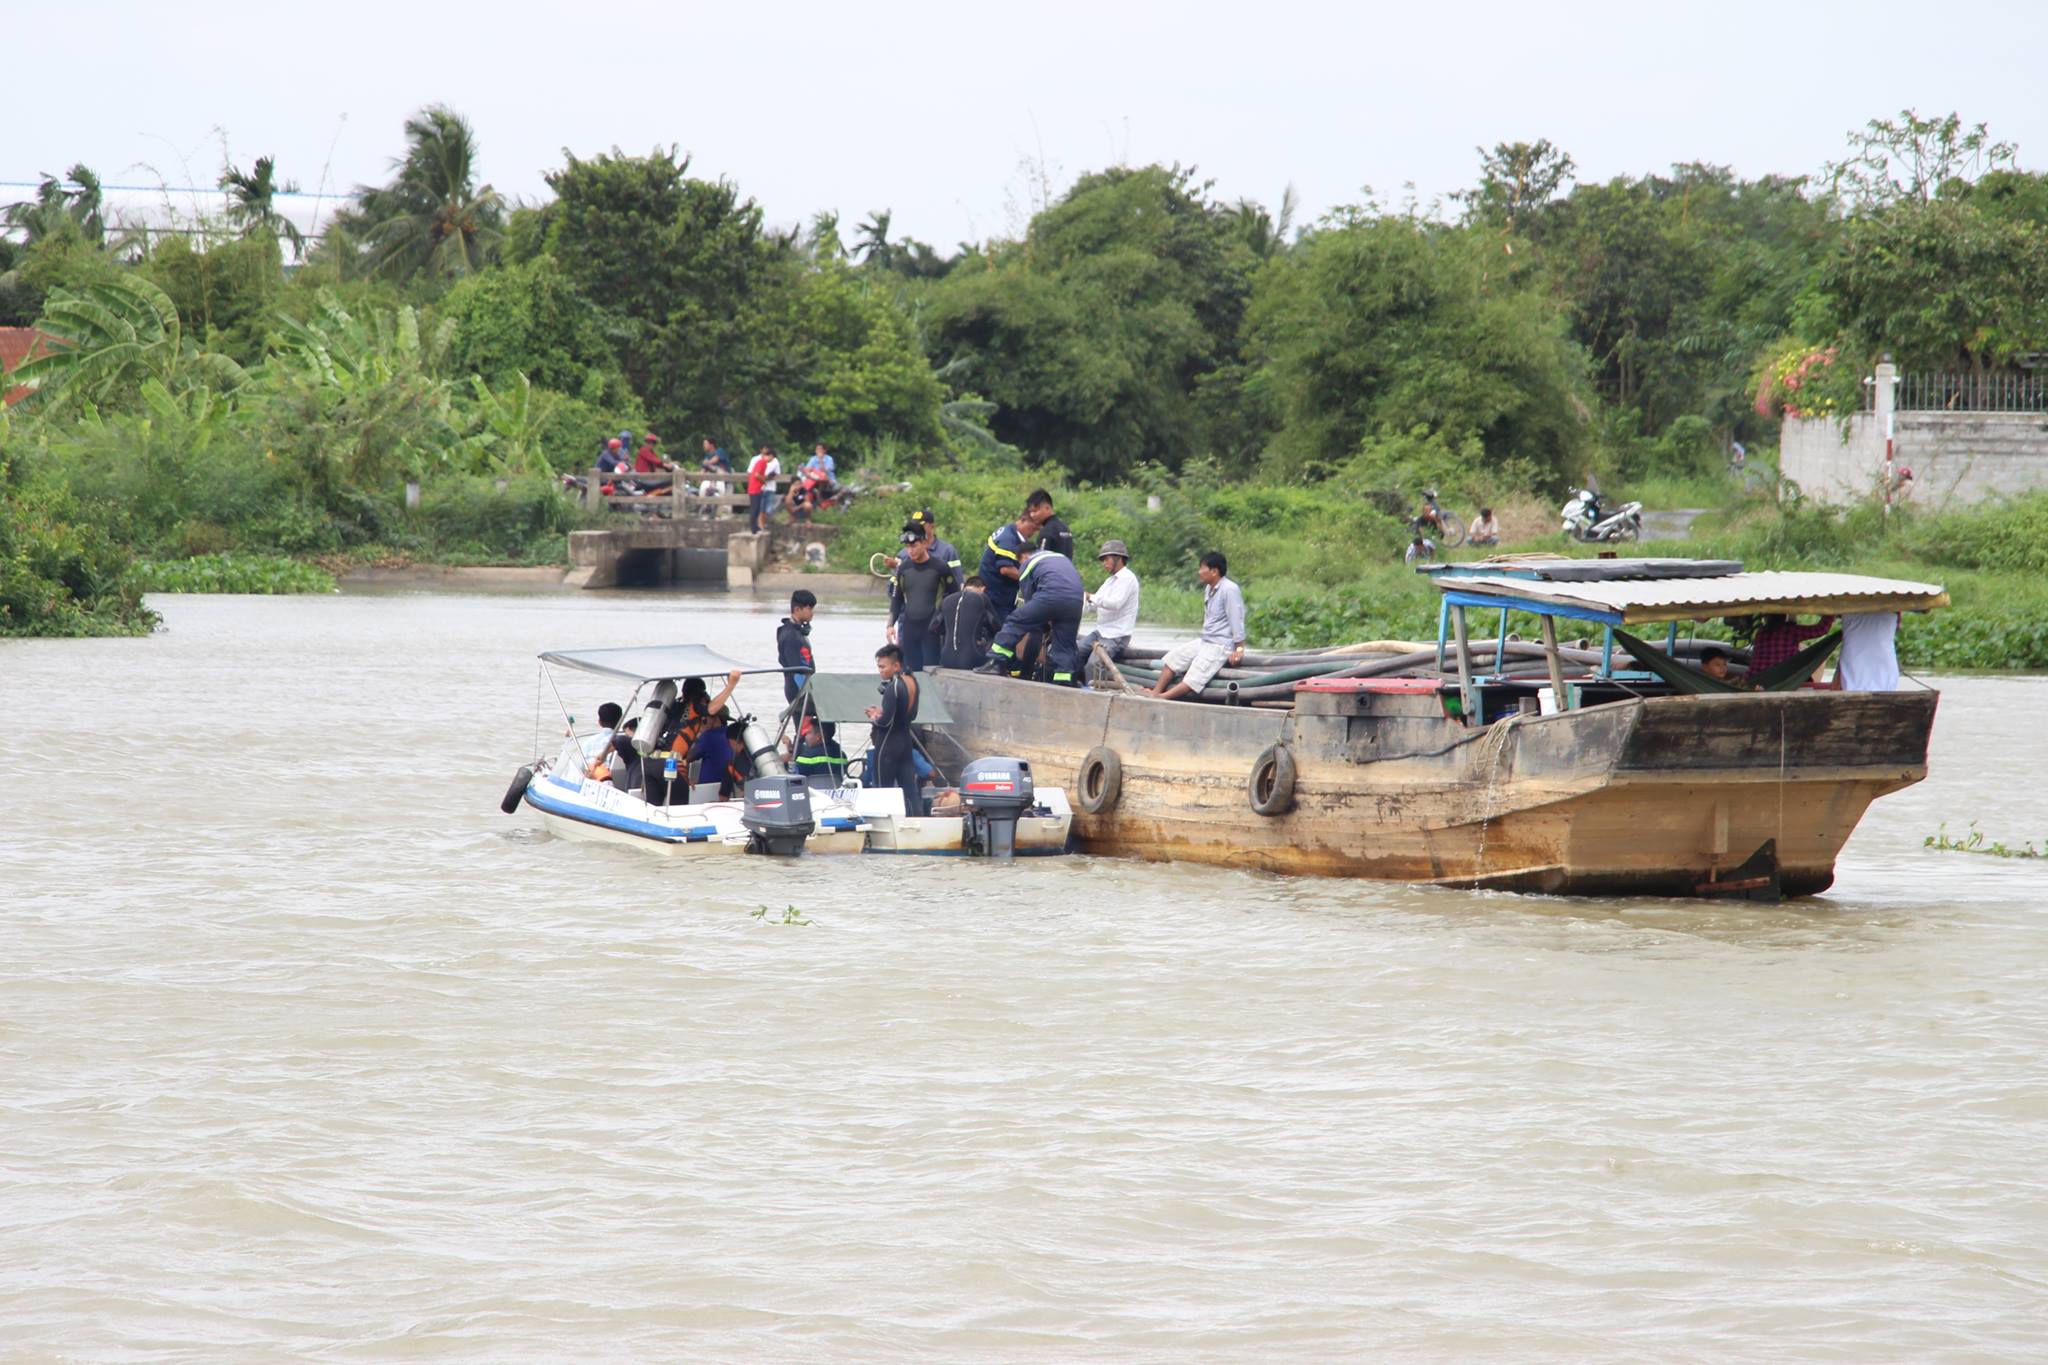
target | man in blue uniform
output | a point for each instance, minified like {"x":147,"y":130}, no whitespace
{"x":1051,"y":590}
{"x":1002,"y":564}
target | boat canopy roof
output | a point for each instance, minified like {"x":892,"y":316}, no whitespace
{"x":650,"y":663}
{"x":1633,"y":601}
{"x":844,"y":698}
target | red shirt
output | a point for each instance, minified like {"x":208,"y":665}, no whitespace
{"x":757,"y":472}
{"x":647,"y":462}
{"x":1775,"y":644}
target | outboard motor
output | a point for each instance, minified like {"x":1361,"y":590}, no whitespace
{"x":995,"y":792}
{"x":777,"y":815}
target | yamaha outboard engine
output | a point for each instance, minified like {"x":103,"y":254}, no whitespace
{"x":995,"y":792}
{"x":777,"y":815}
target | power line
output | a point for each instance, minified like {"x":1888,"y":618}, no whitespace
{"x":176,"y":189}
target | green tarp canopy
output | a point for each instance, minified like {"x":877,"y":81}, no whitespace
{"x":844,"y":698}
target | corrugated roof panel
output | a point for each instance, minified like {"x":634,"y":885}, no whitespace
{"x":1736,"y":594}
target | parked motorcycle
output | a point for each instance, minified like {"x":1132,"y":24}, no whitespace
{"x":1586,"y":520}
{"x":1437,"y":522}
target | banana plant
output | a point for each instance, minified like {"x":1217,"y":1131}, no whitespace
{"x":107,"y":340}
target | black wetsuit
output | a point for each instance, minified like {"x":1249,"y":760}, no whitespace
{"x":895,"y":761}
{"x":966,"y":625}
{"x":915,"y":594}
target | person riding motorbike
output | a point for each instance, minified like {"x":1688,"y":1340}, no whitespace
{"x":1431,"y":512}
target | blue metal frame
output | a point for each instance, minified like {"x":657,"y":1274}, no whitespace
{"x":1479,"y":599}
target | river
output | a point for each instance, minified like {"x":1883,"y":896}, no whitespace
{"x":309,"y":1053}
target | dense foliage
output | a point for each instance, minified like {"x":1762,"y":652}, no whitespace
{"x":1281,"y":388}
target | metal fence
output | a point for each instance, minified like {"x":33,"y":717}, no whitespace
{"x":2007,"y":391}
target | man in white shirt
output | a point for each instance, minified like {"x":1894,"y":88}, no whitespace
{"x":1115,"y":605}
{"x":1870,"y":656}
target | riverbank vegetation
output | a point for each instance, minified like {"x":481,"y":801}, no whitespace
{"x":1187,"y":372}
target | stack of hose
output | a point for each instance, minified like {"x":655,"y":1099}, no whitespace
{"x":1272,"y":677}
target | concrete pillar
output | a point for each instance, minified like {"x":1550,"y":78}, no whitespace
{"x":746,"y":556}
{"x":1886,"y":399}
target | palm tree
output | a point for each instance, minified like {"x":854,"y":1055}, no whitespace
{"x":252,"y":203}
{"x":56,"y":209}
{"x":874,"y":248}
{"x":433,"y":218}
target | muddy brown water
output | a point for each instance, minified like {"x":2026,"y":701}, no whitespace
{"x":307,"y":1052}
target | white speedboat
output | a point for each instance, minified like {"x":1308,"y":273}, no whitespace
{"x":777,"y":813}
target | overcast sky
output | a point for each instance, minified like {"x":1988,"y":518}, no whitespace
{"x":947,"y":113}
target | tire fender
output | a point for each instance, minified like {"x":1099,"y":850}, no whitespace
{"x":517,"y":791}
{"x":1101,"y":781}
{"x":1271,"y":786}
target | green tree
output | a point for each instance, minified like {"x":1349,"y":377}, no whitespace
{"x":860,"y":376}
{"x":1916,"y":159}
{"x":432,"y":220}
{"x":531,"y":320}
{"x":72,"y":204}
{"x":1095,"y":332}
{"x":699,"y":287}
{"x":1388,"y":326}
{"x":1517,"y":180}
{"x":252,"y":203}
{"x":223,"y":291}
{"x":1940,"y":285}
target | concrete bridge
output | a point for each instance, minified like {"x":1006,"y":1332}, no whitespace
{"x":654,"y":551}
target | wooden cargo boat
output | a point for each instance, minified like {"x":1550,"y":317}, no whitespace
{"x":1628,"y":787}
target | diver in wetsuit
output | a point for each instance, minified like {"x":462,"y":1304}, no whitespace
{"x":895,"y":753}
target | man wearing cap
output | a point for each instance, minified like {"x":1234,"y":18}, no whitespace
{"x":942,"y":550}
{"x":916,"y":590}
{"x":1115,"y":605}
{"x":1050,"y":595}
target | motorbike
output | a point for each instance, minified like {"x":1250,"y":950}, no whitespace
{"x":1437,"y":522}
{"x":1586,"y":520}
{"x":813,"y":491}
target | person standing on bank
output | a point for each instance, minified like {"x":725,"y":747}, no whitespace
{"x":1002,"y":562}
{"x":1222,"y":639}
{"x":895,"y":754}
{"x":917,"y":589}
{"x":1052,"y":593}
{"x":964,"y":627}
{"x":1115,"y":605}
{"x":761,"y":476}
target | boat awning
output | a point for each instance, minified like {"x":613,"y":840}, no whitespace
{"x":650,"y":663}
{"x":1639,"y":601}
{"x":844,"y":698}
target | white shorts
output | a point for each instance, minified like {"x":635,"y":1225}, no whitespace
{"x":1196,"y":662}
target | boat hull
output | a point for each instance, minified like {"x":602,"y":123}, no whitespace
{"x":1660,"y":796}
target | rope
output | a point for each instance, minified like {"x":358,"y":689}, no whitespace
{"x":1495,"y":741}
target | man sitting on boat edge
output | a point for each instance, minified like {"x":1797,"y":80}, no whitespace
{"x":1222,"y":640}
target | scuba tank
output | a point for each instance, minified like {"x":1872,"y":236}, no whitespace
{"x":654,"y":721}
{"x":761,"y":749}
